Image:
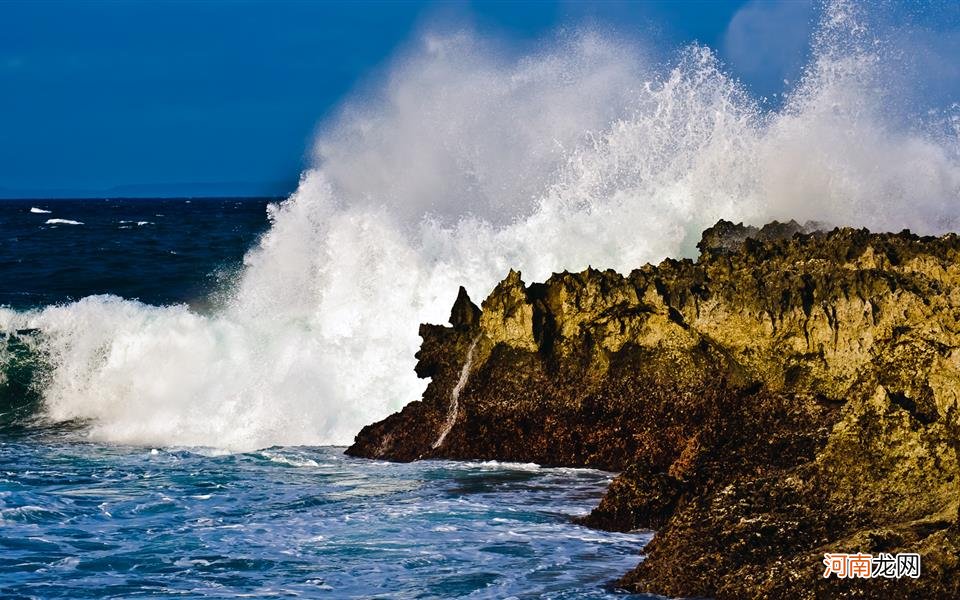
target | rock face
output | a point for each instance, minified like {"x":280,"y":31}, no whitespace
{"x":788,"y":394}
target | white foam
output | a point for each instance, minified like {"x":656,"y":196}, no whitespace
{"x":465,"y":163}
{"x":496,"y":465}
{"x":63,"y":222}
{"x":39,"y":211}
{"x":289,"y":459}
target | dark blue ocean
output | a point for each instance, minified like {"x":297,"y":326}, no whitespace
{"x":159,"y":251}
{"x":87,"y":519}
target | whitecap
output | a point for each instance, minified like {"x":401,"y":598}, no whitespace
{"x":290,"y":460}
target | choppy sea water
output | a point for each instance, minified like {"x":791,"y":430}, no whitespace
{"x":80,"y":519}
{"x":160,"y":251}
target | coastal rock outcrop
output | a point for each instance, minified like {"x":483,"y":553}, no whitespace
{"x":788,"y":394}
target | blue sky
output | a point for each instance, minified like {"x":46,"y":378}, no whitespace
{"x":136,"y":98}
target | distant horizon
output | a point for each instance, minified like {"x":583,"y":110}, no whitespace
{"x":165,"y":191}
{"x":121,"y":198}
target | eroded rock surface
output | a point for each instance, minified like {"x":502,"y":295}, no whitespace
{"x":788,"y":394}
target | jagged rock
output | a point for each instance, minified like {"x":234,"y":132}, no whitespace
{"x":465,"y":314}
{"x":507,"y":316}
{"x":726,"y":237}
{"x":637,"y":496}
{"x":788,"y":394}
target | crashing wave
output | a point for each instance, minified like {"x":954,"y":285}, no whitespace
{"x":467,"y":162}
{"x":21,"y":375}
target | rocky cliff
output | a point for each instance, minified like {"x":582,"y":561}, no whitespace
{"x":788,"y":394}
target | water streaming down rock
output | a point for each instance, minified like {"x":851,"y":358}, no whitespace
{"x":586,"y":152}
{"x":454,"y":409}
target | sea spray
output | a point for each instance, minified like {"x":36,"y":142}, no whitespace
{"x":463,"y":164}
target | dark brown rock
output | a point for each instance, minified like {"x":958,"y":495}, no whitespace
{"x":465,"y":314}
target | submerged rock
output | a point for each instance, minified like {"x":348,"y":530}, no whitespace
{"x":790,"y":393}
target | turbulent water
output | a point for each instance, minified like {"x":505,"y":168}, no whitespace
{"x":237,"y":325}
{"x":81,"y":520}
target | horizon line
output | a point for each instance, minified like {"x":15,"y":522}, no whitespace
{"x":180,"y":197}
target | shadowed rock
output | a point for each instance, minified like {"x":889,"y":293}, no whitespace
{"x":465,"y":314}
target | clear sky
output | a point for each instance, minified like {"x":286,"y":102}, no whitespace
{"x":137,"y":98}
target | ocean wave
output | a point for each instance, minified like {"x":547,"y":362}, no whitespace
{"x":63,"y":222}
{"x":286,"y":458}
{"x":39,"y":211}
{"x":22,"y":369}
{"x":586,"y":152}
